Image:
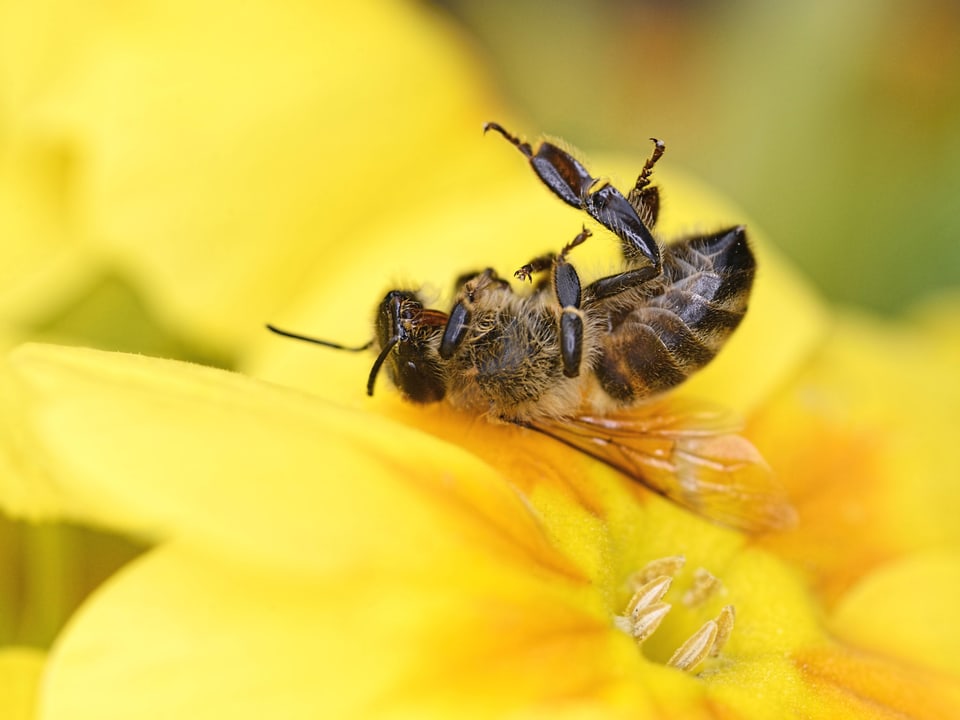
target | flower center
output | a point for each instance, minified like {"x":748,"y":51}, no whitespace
{"x":646,"y":610}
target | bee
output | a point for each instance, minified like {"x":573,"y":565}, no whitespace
{"x":591,"y":366}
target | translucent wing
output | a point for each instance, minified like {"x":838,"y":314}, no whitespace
{"x":688,"y":453}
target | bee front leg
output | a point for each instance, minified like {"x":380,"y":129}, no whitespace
{"x":545,"y":262}
{"x":538,"y":264}
{"x":566,"y":287}
{"x":458,"y":322}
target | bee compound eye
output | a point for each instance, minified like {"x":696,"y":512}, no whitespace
{"x":419,"y":382}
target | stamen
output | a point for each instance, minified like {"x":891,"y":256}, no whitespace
{"x":646,"y":622}
{"x":705,"y":586}
{"x":649,"y":594}
{"x":724,"y":628}
{"x":669,"y":566}
{"x":696,"y":648}
{"x":647,"y":609}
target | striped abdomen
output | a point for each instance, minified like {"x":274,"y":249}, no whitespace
{"x":676,"y":324}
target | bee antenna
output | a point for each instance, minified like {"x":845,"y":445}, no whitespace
{"x":315,"y":341}
{"x":379,"y":361}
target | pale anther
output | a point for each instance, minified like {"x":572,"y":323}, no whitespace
{"x":647,"y":621}
{"x":724,"y":628}
{"x":647,"y":609}
{"x":696,"y":648}
{"x":668,"y":566}
{"x":705,"y":585}
{"x":649,"y":594}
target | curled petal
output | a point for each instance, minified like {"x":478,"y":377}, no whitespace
{"x":167,"y":449}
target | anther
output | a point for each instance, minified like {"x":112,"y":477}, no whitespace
{"x":696,"y":648}
{"x":705,"y":642}
{"x":646,"y":610}
{"x":669,"y":566}
{"x":724,"y":628}
{"x":705,"y":586}
{"x":649,"y":594}
{"x":646,"y":621}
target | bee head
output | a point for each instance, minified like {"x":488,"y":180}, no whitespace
{"x":407,"y":335}
{"x":407,"y":338}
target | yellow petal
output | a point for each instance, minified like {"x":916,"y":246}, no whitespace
{"x":163,"y":448}
{"x":863,"y":441}
{"x":288,"y":495}
{"x":420,"y":557}
{"x":181,"y":633}
{"x":907,"y":609}
{"x":857,"y":685}
{"x":221,"y":149}
{"x":20,"y":670}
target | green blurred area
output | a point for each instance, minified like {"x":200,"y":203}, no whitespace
{"x":835,"y":125}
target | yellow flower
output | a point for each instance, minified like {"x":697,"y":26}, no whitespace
{"x":332,"y":555}
{"x":322,"y":554}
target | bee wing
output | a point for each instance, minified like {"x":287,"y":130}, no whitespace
{"x":689,"y":453}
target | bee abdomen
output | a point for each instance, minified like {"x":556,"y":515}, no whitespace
{"x":658,"y":344}
{"x":653,"y":351}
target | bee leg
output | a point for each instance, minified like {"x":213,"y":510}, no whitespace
{"x":455,"y":331}
{"x":645,"y":198}
{"x":469,"y":286}
{"x":566,"y":286}
{"x":647,"y":204}
{"x":571,"y":182}
{"x":644,"y":179}
{"x":545,"y":262}
{"x":616,"y":284}
{"x":538,"y":264}
{"x":556,"y":168}
{"x":612,"y":210}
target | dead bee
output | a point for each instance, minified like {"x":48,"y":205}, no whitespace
{"x":589,"y":365}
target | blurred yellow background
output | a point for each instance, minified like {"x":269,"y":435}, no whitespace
{"x":174,"y":174}
{"x":835,"y":125}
